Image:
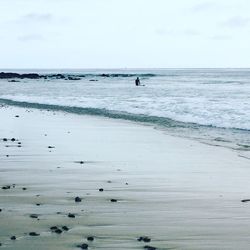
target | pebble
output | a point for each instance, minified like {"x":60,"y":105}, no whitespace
{"x":6,"y":187}
{"x":13,"y":139}
{"x":5,"y":139}
{"x":54,"y":228}
{"x":245,"y":200}
{"x":149,"y":248}
{"x":144,"y":238}
{"x":58,"y":231}
{"x":34,"y":216}
{"x":101,"y":190}
{"x":24,"y":188}
{"x":65,"y":228}
{"x":83,"y":246}
{"x":71,"y":215}
{"x":113,"y":200}
{"x":13,"y":237}
{"x":33,"y":234}
{"x":78,"y":199}
{"x":90,"y":238}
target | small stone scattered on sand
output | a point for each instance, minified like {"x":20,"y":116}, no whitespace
{"x":13,"y":139}
{"x":78,"y":199}
{"x":34,"y":216}
{"x":54,"y":228}
{"x":65,"y":228}
{"x":101,"y":189}
{"x":144,"y":238}
{"x":24,"y":188}
{"x":113,"y":200}
{"x":6,"y":187}
{"x":71,"y":215}
{"x":33,"y":234}
{"x":58,"y":231}
{"x":5,"y":139}
{"x":149,"y":248}
{"x":245,"y":200}
{"x":83,"y":246}
{"x":13,"y":237}
{"x":90,"y":238}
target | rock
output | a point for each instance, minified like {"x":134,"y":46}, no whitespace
{"x":58,"y":231}
{"x":38,"y":204}
{"x":113,"y":200}
{"x":19,"y":143}
{"x":17,"y":116}
{"x":34,"y":216}
{"x":8,"y":75}
{"x":65,"y":228}
{"x":101,"y":189}
{"x":24,"y":188}
{"x":81,"y":162}
{"x":0,"y":209}
{"x":83,"y":246}
{"x":13,"y":237}
{"x":53,"y":228}
{"x":78,"y":199}
{"x":70,"y":215}
{"x":150,"y":248}
{"x":5,"y":139}
{"x":6,"y":187}
{"x":13,"y":139}
{"x":51,"y":147}
{"x":144,"y":238}
{"x":90,"y":238}
{"x":245,"y":200}
{"x":33,"y":234}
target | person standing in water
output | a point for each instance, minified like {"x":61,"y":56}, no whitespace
{"x":137,"y":81}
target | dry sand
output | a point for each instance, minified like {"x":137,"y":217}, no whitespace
{"x":180,"y":193}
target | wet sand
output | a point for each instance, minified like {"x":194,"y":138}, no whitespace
{"x":136,"y":186}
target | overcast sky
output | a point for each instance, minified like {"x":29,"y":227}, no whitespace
{"x":124,"y":33}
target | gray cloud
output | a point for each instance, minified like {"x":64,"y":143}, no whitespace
{"x":236,"y":22}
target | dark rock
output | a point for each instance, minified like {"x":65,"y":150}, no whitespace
{"x":78,"y":199}
{"x":51,"y":147}
{"x":33,"y":234}
{"x":58,"y":231}
{"x":0,"y":209}
{"x":7,"y":155}
{"x":81,"y":162}
{"x":5,"y":139}
{"x":70,"y":215}
{"x":83,"y":246}
{"x":113,"y":200}
{"x":65,"y":228}
{"x":13,"y":237}
{"x":144,"y":238}
{"x":245,"y":200}
{"x":9,"y":75}
{"x":34,"y":216}
{"x":6,"y":187}
{"x":150,"y":248}
{"x":17,"y":116}
{"x":19,"y":143}
{"x":38,"y":204}
{"x":53,"y":228}
{"x":13,"y":139}
{"x":101,"y":189}
{"x":24,"y":188}
{"x":90,"y":238}
{"x":71,"y":78}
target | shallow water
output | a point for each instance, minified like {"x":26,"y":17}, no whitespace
{"x":211,"y":105}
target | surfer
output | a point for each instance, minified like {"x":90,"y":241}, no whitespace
{"x":137,"y":81}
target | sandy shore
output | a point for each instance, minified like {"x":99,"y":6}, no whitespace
{"x":179,"y":193}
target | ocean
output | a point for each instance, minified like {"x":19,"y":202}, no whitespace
{"x":209,"y":105}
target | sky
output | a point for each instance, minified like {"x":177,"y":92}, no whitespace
{"x":124,"y":33}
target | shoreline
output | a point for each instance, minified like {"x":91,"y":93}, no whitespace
{"x":180,"y":193}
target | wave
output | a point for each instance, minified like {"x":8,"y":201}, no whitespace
{"x":154,"y":120}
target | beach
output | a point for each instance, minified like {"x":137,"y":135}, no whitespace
{"x":127,"y":185}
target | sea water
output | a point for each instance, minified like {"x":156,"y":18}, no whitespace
{"x":210,"y":105}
